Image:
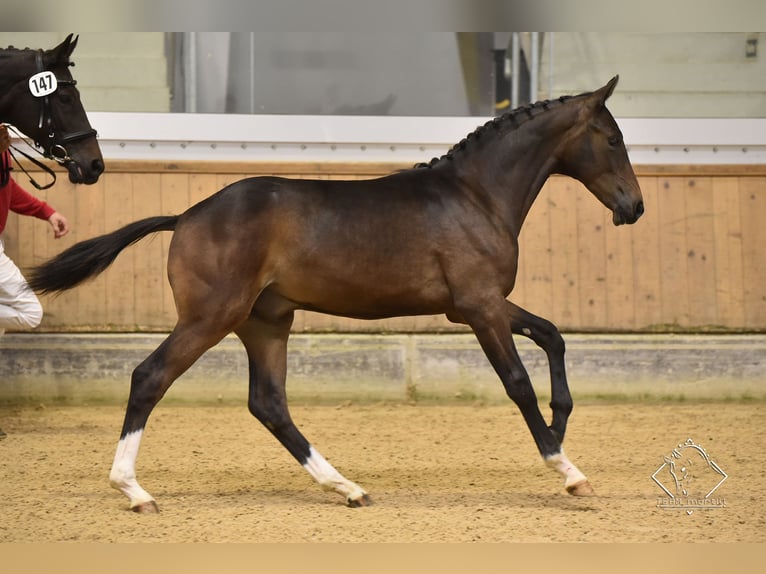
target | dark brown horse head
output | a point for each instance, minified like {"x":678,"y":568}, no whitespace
{"x":595,"y":154}
{"x":41,"y":99}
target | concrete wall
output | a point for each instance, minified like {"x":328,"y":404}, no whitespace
{"x":40,"y":368}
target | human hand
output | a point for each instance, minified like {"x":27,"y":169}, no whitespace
{"x":5,"y":139}
{"x":59,"y":224}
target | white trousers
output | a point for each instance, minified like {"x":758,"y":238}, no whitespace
{"x":19,"y":306}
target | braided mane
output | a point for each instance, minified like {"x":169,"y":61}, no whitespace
{"x":14,"y":50}
{"x":515,"y":118}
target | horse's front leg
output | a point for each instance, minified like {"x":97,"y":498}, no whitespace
{"x":493,"y":330}
{"x":547,"y":337}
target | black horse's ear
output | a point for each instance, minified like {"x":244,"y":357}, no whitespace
{"x":604,"y":93}
{"x":73,"y":44}
{"x":62,"y":52}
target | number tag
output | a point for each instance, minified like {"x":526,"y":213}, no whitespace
{"x":42,"y":84}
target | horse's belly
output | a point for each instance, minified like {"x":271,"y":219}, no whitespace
{"x":366,"y":295}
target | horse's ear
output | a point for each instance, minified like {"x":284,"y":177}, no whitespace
{"x":602,"y":94}
{"x":73,"y":44}
{"x":64,"y":50}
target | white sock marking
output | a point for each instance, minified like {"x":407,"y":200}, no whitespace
{"x":123,"y":473}
{"x":329,"y":478}
{"x":564,"y":466}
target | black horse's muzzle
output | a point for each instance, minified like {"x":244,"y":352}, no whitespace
{"x":628,"y":214}
{"x":88,"y":174}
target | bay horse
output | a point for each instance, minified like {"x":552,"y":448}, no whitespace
{"x":39,"y":97}
{"x":439,"y":238}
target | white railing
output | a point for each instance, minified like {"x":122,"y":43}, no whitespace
{"x":242,"y":137}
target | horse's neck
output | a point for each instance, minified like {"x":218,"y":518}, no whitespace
{"x":519,"y":173}
{"x":527,"y":186}
{"x":9,"y":76}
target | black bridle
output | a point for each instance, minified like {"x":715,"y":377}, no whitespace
{"x":53,"y":145}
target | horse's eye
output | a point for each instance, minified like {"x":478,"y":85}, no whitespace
{"x":614,"y":140}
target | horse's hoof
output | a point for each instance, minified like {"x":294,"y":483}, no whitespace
{"x":582,"y":488}
{"x":146,"y":508}
{"x":364,"y":500}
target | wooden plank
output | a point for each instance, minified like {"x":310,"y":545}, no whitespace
{"x":710,"y":170}
{"x":89,"y":216}
{"x":226,"y":179}
{"x":673,"y":252}
{"x":120,"y":277}
{"x":753,"y":214}
{"x":700,"y":252}
{"x":620,"y":281}
{"x":727,"y":226}
{"x":62,"y":197}
{"x":592,"y":219}
{"x":150,"y":273}
{"x":565,"y":284}
{"x":646,"y":257}
{"x":201,"y":186}
{"x":535,"y":258}
{"x":174,"y":194}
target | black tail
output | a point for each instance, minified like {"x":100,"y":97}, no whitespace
{"x":88,"y":258}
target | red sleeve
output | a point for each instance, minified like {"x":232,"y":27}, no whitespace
{"x":26,"y":204}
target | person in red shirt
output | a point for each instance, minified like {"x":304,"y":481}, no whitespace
{"x":19,"y":306}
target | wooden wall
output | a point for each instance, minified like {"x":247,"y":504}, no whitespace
{"x":694,"y":262}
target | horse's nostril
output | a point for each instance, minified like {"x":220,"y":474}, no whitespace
{"x":639,"y":209}
{"x":98,"y":166}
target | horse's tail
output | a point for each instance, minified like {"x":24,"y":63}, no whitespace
{"x":88,"y":258}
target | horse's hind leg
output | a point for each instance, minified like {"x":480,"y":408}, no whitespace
{"x":547,"y":337}
{"x":149,"y":382}
{"x":266,"y":345}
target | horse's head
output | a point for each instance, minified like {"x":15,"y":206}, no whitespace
{"x":46,"y":107}
{"x":595,"y":154}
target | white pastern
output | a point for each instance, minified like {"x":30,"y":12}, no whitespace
{"x":123,"y":473}
{"x":564,"y":466}
{"x":330,"y":479}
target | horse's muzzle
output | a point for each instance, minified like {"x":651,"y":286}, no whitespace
{"x":629,"y":214}
{"x":87,"y":176}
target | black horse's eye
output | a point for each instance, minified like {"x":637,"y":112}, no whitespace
{"x":614,"y":140}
